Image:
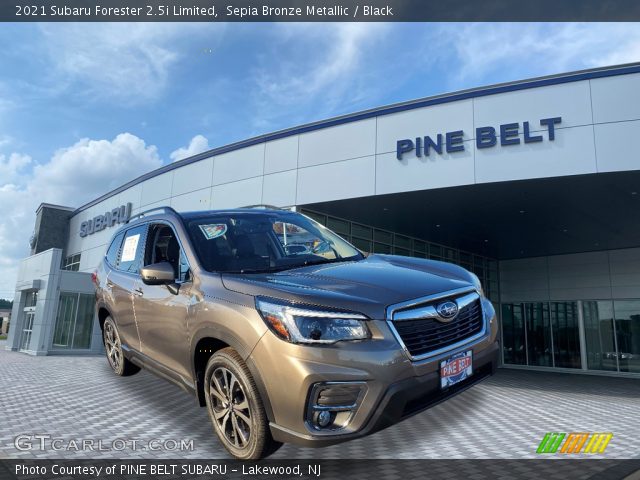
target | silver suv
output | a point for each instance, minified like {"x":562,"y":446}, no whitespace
{"x":283,"y":330}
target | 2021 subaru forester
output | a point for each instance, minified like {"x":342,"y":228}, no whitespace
{"x":283,"y":330}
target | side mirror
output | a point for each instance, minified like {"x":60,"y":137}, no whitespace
{"x":158,"y":274}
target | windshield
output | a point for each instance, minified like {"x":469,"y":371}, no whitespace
{"x":249,"y":242}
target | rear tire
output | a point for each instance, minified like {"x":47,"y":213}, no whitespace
{"x":113,"y":346}
{"x":235,"y":407}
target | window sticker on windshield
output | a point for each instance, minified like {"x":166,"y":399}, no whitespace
{"x":213,"y":230}
{"x":130,"y":247}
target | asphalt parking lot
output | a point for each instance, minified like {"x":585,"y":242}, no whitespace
{"x":72,"y":398}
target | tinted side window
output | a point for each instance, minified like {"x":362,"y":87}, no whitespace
{"x":163,"y":246}
{"x":114,"y":249}
{"x":132,"y":249}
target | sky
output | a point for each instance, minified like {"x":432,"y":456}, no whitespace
{"x":86,"y":107}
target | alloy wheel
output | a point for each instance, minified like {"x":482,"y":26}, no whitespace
{"x":113,"y":346}
{"x":230,"y":406}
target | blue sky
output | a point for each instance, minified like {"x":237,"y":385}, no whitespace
{"x":86,"y":107}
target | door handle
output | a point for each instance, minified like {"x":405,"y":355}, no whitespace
{"x":138,"y":291}
{"x":109,"y":284}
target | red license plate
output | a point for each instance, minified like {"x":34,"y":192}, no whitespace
{"x":456,"y":368}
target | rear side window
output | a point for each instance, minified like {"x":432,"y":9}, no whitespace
{"x":132,"y":250}
{"x":114,"y":250}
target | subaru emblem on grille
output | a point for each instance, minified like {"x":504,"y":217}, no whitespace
{"x":447,"y":310}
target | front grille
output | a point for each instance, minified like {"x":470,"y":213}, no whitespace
{"x":424,"y":335}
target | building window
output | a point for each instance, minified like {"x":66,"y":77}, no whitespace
{"x":74,"y":323}
{"x":72,"y":263}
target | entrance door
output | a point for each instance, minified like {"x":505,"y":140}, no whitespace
{"x":29,"y":313}
{"x":27,"y":330}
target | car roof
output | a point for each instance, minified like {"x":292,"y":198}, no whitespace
{"x":234,"y":211}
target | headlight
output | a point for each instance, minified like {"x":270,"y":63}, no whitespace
{"x":310,"y":325}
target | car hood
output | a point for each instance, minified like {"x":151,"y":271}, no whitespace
{"x":367,"y":286}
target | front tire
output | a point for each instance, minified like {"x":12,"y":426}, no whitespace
{"x":113,"y":346}
{"x":235,"y":407}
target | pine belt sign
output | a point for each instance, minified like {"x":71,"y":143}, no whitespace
{"x":118,"y":215}
{"x":486,"y":137}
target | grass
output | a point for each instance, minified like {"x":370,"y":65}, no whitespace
{"x":3,"y":337}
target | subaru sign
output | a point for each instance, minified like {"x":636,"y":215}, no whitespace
{"x":118,"y":215}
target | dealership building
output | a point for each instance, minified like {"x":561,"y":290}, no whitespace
{"x":533,"y":185}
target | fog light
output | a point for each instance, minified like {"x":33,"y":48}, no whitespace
{"x":331,"y":405}
{"x":324,"y":418}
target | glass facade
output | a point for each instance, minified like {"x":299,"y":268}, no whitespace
{"x":565,"y":330}
{"x":547,"y":334}
{"x":376,"y":240}
{"x":627,"y":325}
{"x":74,"y":322}
{"x":612,"y":330}
{"x":600,"y":335}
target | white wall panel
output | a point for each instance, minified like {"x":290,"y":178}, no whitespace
{"x":91,"y":258}
{"x":132,"y":195}
{"x":424,"y":121}
{"x":571,"y":153}
{"x":341,"y":142}
{"x":423,"y":173}
{"x":190,"y":178}
{"x":625,"y":272}
{"x":75,"y":243}
{"x":237,"y":194}
{"x":239,"y":164}
{"x":616,"y":98}
{"x":334,"y":181}
{"x":570,"y":101}
{"x":279,"y":189}
{"x":281,"y":155}
{"x":156,"y":189}
{"x":525,"y":279}
{"x":192,"y":201}
{"x":617,"y":146}
{"x":579,"y":276}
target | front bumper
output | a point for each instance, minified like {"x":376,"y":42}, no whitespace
{"x":400,"y":400}
{"x":396,"y":386}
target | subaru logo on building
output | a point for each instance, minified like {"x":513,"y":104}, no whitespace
{"x":447,"y":310}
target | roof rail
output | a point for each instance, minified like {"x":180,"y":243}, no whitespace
{"x":264,"y":206}
{"x":151,"y":210}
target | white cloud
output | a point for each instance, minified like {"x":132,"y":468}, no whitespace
{"x":198,"y":144}
{"x":515,"y":51}
{"x":12,"y":167}
{"x":326,"y":61}
{"x":73,"y":176}
{"x":125,"y":61}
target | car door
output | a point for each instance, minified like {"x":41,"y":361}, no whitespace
{"x":122,"y":281}
{"x":161,"y":310}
